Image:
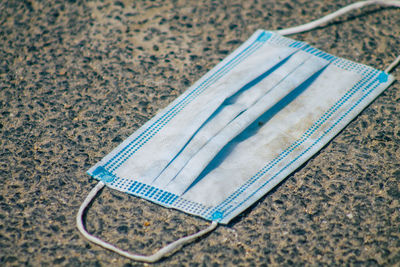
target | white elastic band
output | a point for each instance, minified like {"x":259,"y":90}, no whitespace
{"x":393,"y":65}
{"x":318,"y":22}
{"x":152,"y":258}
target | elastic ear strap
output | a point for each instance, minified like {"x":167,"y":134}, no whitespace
{"x":393,"y":65}
{"x":152,"y":258}
{"x":316,"y":23}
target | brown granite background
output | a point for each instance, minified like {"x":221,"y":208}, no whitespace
{"x":78,"y":77}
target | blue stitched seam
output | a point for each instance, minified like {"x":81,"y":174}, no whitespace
{"x":165,"y":198}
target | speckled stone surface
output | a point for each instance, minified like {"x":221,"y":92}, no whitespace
{"x":76,"y":78}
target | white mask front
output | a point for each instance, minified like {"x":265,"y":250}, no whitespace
{"x":242,"y":128}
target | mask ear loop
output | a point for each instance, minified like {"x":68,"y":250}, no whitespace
{"x":167,"y":250}
{"x":393,"y":65}
{"x":318,"y":22}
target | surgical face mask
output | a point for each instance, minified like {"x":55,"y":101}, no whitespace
{"x":240,"y":130}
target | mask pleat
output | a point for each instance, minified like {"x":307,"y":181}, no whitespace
{"x":230,"y":109}
{"x":173,"y":138}
{"x":279,"y":96}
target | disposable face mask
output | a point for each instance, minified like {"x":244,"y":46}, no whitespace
{"x":240,"y":130}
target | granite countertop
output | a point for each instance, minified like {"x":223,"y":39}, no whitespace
{"x":78,"y":77}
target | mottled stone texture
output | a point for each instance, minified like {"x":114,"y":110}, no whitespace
{"x":76,"y":78}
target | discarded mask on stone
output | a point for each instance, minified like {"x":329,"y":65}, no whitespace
{"x":240,"y":130}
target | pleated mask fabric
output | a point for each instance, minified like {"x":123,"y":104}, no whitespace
{"x":242,"y":128}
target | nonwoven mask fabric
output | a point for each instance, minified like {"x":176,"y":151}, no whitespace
{"x":242,"y":128}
